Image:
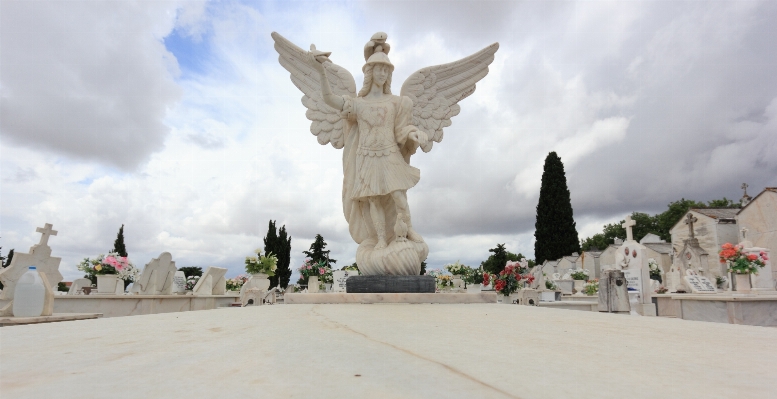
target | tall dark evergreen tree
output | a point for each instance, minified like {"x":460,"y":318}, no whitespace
{"x":118,"y":245}
{"x":317,"y":252}
{"x":279,"y":244}
{"x":555,"y":233}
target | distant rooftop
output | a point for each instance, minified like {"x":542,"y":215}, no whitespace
{"x":717,"y":213}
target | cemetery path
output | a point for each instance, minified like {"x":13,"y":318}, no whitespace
{"x":387,"y":351}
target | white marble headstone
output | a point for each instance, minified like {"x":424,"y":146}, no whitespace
{"x":700,"y":284}
{"x":179,"y":282}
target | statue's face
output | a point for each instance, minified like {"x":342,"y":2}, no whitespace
{"x":380,"y":74}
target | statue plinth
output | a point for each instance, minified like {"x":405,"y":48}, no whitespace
{"x":389,"y":284}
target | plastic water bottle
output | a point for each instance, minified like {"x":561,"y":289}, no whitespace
{"x":29,"y":295}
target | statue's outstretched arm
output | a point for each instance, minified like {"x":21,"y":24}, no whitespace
{"x":329,"y":98}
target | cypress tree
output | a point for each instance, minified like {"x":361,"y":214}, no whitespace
{"x":279,"y":244}
{"x":118,"y":245}
{"x":555,"y":233}
{"x":8,"y":258}
{"x":317,"y":252}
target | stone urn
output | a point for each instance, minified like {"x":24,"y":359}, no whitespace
{"x":579,"y":286}
{"x":312,"y":284}
{"x":505,"y":299}
{"x":741,"y":282}
{"x":106,"y":283}
{"x":474,"y":288}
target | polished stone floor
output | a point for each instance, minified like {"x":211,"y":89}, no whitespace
{"x":388,"y":351}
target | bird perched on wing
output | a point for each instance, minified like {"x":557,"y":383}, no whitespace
{"x":320,"y":56}
{"x":400,"y":228}
{"x":377,"y":44}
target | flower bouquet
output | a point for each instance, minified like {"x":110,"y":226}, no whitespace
{"x":312,"y":269}
{"x":592,"y":288}
{"x":655,"y":270}
{"x":191,"y":281}
{"x":508,"y":280}
{"x":234,"y":284}
{"x":579,"y":274}
{"x":457,"y":269}
{"x":110,"y":264}
{"x":261,"y":264}
{"x":474,"y":276}
{"x":739,"y":263}
{"x":441,"y":280}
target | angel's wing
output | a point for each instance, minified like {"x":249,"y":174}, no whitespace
{"x":436,"y":91}
{"x":327,"y":125}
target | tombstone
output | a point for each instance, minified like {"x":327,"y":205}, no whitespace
{"x":631,"y":258}
{"x":179,"y":282}
{"x":157,"y":276}
{"x":212,"y":282}
{"x":699,"y":284}
{"x":565,"y":286}
{"x":78,"y":285}
{"x":763,"y":281}
{"x":40,"y":257}
{"x":340,"y":277}
{"x":691,"y":257}
{"x":613,"y":292}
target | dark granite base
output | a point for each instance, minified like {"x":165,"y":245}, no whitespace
{"x":389,"y":284}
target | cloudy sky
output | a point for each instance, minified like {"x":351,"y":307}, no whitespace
{"x":175,"y":119}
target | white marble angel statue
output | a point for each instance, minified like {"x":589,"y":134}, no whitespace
{"x":379,"y":132}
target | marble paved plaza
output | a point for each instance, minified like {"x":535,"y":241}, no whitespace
{"x":388,"y":350}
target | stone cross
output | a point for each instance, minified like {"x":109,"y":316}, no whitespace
{"x":627,"y":225}
{"x":744,"y":233}
{"x":689,"y":220}
{"x":45,"y":231}
{"x":744,"y":187}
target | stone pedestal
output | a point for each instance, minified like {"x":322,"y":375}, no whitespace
{"x":390,"y":284}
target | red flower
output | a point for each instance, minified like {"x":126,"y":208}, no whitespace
{"x":727,"y":246}
{"x":752,"y":257}
{"x":486,"y":279}
{"x":499,"y":285}
{"x":530,"y":278}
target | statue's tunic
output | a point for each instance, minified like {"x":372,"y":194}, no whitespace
{"x":383,"y":128}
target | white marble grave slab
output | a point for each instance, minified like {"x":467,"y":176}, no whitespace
{"x":701,"y":285}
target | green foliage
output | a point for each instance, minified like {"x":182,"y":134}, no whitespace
{"x":317,"y":254}
{"x":266,"y":264}
{"x":353,"y":266}
{"x":118,"y":245}
{"x":496,"y":262}
{"x":62,"y":287}
{"x":279,"y":245}
{"x":423,"y":267}
{"x":191,"y":271}
{"x":658,"y":224}
{"x":555,"y":232}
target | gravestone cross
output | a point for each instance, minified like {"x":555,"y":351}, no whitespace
{"x":744,"y":233}
{"x":628,"y":225}
{"x":744,"y":187}
{"x":689,"y":220}
{"x":45,"y":231}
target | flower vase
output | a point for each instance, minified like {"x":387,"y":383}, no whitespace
{"x":579,"y":286}
{"x":474,"y":288}
{"x":328,"y":287}
{"x":106,"y":283}
{"x":742,"y":282}
{"x":312,"y":284}
{"x":506,"y":299}
{"x":260,"y":281}
{"x":457,"y":282}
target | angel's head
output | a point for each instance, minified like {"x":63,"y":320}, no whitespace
{"x":378,"y":69}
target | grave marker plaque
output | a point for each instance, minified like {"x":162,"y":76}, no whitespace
{"x":700,"y":285}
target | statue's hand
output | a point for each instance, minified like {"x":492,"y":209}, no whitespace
{"x":419,"y":137}
{"x":315,"y":63}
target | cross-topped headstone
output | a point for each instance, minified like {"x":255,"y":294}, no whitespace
{"x":690,"y":220}
{"x":628,"y":225}
{"x":744,"y":187}
{"x":45,"y":231}
{"x":744,"y":233}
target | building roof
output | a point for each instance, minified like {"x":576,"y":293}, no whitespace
{"x":660,"y":247}
{"x":595,"y":254}
{"x":725,"y":215}
{"x":550,"y":262}
{"x":766,"y":189}
{"x":717,"y":213}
